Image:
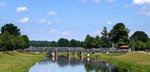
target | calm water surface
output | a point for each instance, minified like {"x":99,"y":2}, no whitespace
{"x":62,"y":64}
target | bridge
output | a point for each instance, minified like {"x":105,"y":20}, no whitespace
{"x":55,"y":50}
{"x":71,"y":49}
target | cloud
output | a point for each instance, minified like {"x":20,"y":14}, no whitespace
{"x":96,"y":1}
{"x":22,"y":9}
{"x":109,"y":22}
{"x":44,"y":21}
{"x":97,"y":32}
{"x":2,"y":4}
{"x":52,"y":13}
{"x":24,"y":20}
{"x":65,"y":33}
{"x":53,"y":31}
{"x":140,"y":2}
{"x":145,"y":10}
{"x":110,"y":1}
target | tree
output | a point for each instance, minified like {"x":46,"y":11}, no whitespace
{"x":140,"y":35}
{"x":63,"y":42}
{"x":1,"y":42}
{"x":53,"y":44}
{"x":73,"y":43}
{"x":147,"y":45}
{"x":26,"y":41}
{"x":139,"y":45}
{"x":105,"y":38}
{"x":6,"y":44}
{"x":118,"y":32}
{"x":88,"y":41}
{"x":11,"y":29}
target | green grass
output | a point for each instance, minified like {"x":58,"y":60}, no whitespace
{"x":18,"y":62}
{"x":133,"y":61}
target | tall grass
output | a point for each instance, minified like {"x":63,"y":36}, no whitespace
{"x":133,"y":61}
{"x":17,"y":61}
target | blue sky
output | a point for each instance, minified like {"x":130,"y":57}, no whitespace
{"x":73,"y":19}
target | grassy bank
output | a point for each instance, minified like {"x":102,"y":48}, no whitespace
{"x":134,"y":61}
{"x":17,"y":61}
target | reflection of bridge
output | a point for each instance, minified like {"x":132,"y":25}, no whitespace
{"x":97,"y":66}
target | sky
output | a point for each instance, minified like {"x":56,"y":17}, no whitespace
{"x":73,"y":19}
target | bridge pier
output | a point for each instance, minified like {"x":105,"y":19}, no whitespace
{"x":81,"y":55}
{"x":68,"y":55}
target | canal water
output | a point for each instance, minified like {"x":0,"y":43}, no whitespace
{"x":63,"y":64}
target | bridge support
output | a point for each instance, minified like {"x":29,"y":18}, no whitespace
{"x":68,"y":55}
{"x":81,"y":55}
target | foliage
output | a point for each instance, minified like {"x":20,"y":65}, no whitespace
{"x":88,"y":42}
{"x":12,"y":41}
{"x":63,"y":42}
{"x":105,"y":38}
{"x":11,"y":29}
{"x":140,"y":35}
{"x":74,"y":43}
{"x":119,"y":32}
{"x":39,"y":43}
{"x":53,"y":44}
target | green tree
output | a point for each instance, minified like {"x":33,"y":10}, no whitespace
{"x":147,"y":45}
{"x":6,"y":43}
{"x":53,"y":44}
{"x":73,"y":43}
{"x":105,"y":38}
{"x":63,"y":42}
{"x":26,"y":41}
{"x":140,"y":35}
{"x":11,"y":29}
{"x":1,"y":42}
{"x":139,"y":45}
{"x":88,"y":42}
{"x":118,"y":32}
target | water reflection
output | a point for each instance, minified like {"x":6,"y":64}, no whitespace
{"x":63,"y":64}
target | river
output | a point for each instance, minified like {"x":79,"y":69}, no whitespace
{"x":63,"y":64}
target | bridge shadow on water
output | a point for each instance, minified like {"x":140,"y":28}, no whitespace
{"x":89,"y":65}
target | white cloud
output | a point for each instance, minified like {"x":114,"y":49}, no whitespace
{"x":97,"y":32}
{"x":43,"y":20}
{"x":96,"y":1}
{"x":52,"y":13}
{"x":65,"y":32}
{"x":53,"y":31}
{"x":110,"y":1}
{"x":24,"y":20}
{"x":2,"y":4}
{"x":140,"y":2}
{"x":22,"y":9}
{"x":145,"y":10}
{"x":109,"y":22}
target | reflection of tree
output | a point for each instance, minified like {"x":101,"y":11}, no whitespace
{"x":92,"y":65}
{"x":62,"y":61}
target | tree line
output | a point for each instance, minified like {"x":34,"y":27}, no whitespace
{"x":116,"y":37}
{"x":11,"y":38}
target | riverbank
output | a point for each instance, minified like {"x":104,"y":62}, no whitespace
{"x":133,"y":61}
{"x":18,"y":61}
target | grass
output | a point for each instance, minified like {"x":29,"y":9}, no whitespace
{"x":18,"y":62}
{"x":134,"y":61}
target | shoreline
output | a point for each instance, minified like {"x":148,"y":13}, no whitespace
{"x":18,"y":61}
{"x":120,"y":60}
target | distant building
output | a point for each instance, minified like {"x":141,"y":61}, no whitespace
{"x":124,"y":47}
